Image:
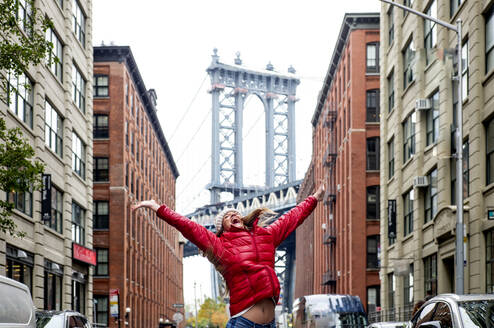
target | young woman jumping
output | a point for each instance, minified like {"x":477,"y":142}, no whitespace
{"x":244,"y":253}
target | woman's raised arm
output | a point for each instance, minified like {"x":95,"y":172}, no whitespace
{"x":204,"y":239}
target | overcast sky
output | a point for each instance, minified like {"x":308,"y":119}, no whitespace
{"x":172,"y":42}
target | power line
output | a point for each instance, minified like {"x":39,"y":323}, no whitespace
{"x":188,"y":108}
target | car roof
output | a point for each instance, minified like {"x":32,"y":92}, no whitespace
{"x":56,"y":312}
{"x":462,"y":298}
{"x":12,"y":282}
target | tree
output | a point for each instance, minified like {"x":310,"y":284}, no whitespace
{"x":22,"y":38}
{"x":211,"y":314}
{"x":22,"y":43}
{"x":18,"y":174}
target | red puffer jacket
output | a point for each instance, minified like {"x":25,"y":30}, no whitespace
{"x":246,"y":258}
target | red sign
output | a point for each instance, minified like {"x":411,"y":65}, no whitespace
{"x":83,"y":254}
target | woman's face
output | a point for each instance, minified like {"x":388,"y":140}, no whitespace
{"x":232,"y":219}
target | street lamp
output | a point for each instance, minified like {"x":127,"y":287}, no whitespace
{"x":459,"y":142}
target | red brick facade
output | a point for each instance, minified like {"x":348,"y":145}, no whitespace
{"x":144,"y":254}
{"x":337,"y":239}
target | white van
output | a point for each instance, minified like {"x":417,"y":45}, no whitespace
{"x":16,"y":305}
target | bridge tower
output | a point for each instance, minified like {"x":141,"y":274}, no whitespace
{"x":230,"y":86}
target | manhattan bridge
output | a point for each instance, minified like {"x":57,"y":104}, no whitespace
{"x":231,"y":85}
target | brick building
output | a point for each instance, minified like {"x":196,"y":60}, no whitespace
{"x":55,"y":116}
{"x":137,"y":253}
{"x":344,"y":237}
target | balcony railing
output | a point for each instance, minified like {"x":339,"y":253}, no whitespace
{"x":330,"y":118}
{"x":329,"y":238}
{"x":330,"y":155}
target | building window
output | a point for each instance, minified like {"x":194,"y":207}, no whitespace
{"x":431,"y":196}
{"x":78,"y":224}
{"x":55,"y":57}
{"x":24,"y":16}
{"x":391,"y":26}
{"x":408,"y":212}
{"x":19,"y":266}
{"x":391,"y":158}
{"x":373,"y":298}
{"x":391,"y":91}
{"x":453,"y":6}
{"x":430,"y":274}
{"x":372,"y":252}
{"x":408,"y":288}
{"x":373,"y":154}
{"x":101,"y":306}
{"x":489,"y":244}
{"x":53,"y":129}
{"x":432,"y":120}
{"x":466,"y":173}
{"x":101,"y":169}
{"x":409,"y":4}
{"x":372,"y":64}
{"x":430,"y":32}
{"x":102,"y":262}
{"x":53,"y":286}
{"x":126,"y":133}
{"x":489,"y":39}
{"x":56,"y":220}
{"x":373,"y":203}
{"x":78,"y":156}
{"x":23,"y":201}
{"x":372,"y":101}
{"x":20,"y":93}
{"x":78,"y":22}
{"x":490,"y":151}
{"x":391,"y":290}
{"x":464,"y":72}
{"x":78,"y":89}
{"x":408,"y":137}
{"x":100,"y":126}
{"x":100,"y":87}
{"x":79,"y":296}
{"x":101,"y":214}
{"x":408,"y":62}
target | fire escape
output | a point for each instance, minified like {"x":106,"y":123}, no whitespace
{"x":330,"y":276}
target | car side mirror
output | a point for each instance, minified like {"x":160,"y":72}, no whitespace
{"x":430,"y":324}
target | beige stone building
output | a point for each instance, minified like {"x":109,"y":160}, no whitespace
{"x":56,"y":116}
{"x":418,"y":216}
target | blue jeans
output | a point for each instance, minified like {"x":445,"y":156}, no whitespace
{"x":241,"y":322}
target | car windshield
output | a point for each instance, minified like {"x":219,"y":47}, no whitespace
{"x":477,"y":314}
{"x":49,"y":320}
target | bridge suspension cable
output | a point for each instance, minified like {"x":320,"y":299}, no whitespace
{"x":188,"y":108}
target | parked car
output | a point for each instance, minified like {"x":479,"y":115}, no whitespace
{"x":390,"y":324}
{"x":61,"y":319}
{"x":456,"y":311}
{"x":16,"y":305}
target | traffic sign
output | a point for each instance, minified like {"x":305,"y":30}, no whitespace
{"x":178,"y":317}
{"x":178,"y":305}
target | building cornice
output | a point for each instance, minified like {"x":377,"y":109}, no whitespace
{"x":124,"y":54}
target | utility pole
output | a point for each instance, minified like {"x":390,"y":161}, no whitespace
{"x":459,"y":252}
{"x":195,"y":301}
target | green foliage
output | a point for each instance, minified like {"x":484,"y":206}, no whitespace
{"x":18,"y":173}
{"x":211,"y":314}
{"x":22,"y":38}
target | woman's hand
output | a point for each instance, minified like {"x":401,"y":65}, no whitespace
{"x":319,"y":192}
{"x":151,"y":204}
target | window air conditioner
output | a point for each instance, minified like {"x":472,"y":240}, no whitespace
{"x":423,"y":104}
{"x":420,"y":181}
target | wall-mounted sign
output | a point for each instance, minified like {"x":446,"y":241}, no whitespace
{"x":46,"y":198}
{"x":114,"y":303}
{"x":391,"y":218}
{"x":83,"y":254}
{"x":490,"y":214}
